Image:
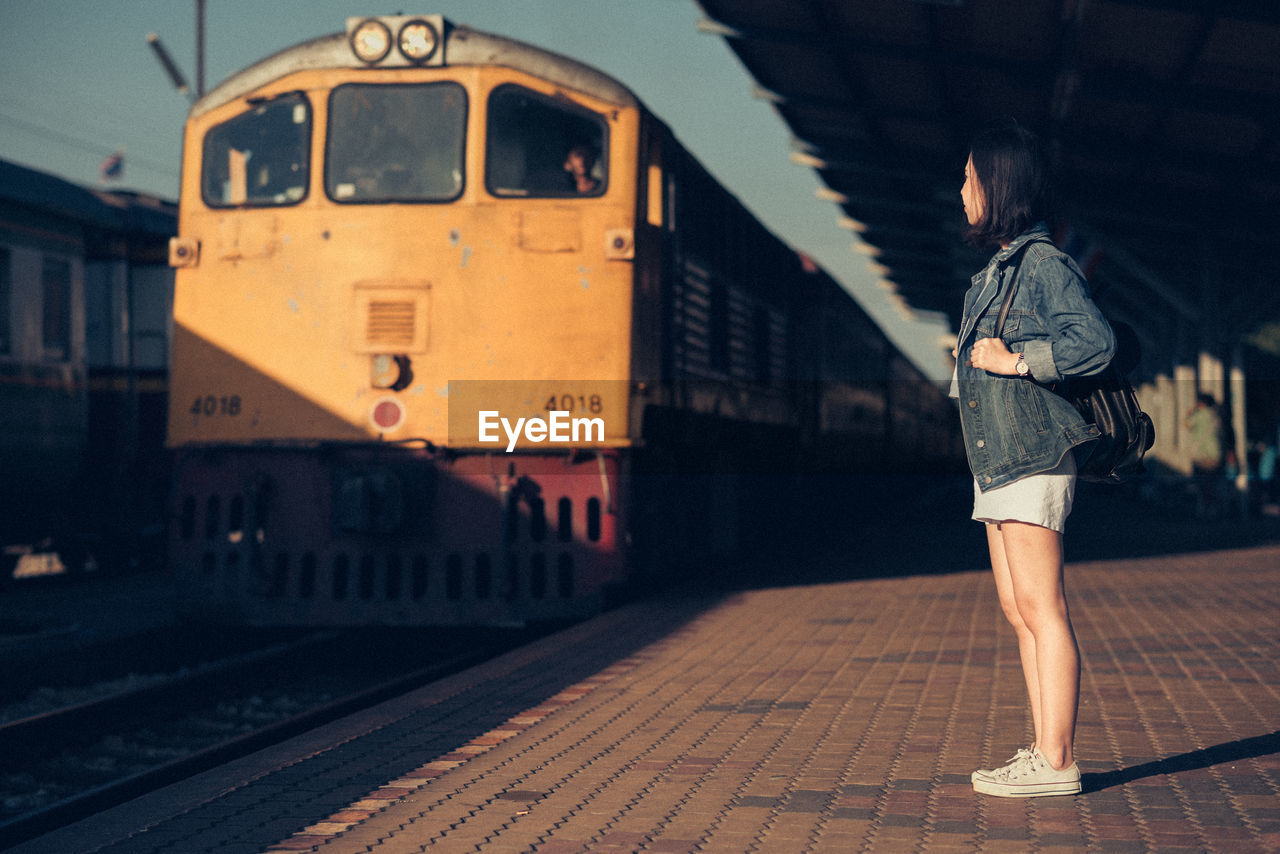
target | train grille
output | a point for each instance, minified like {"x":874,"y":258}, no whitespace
{"x":391,"y":324}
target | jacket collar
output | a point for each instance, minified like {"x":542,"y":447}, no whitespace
{"x":1037,"y":231}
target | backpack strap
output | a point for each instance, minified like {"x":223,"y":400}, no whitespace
{"x":1016,"y":260}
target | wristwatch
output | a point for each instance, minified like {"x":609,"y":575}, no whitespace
{"x":1021,"y":367}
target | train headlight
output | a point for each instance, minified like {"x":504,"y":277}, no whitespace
{"x":371,"y":41}
{"x":418,"y":41}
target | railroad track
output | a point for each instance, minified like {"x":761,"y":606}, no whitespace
{"x":24,"y":738}
{"x":189,"y":700}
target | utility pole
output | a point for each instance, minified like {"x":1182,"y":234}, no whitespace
{"x":199,"y":48}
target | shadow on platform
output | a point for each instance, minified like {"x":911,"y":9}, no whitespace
{"x":1231,"y":751}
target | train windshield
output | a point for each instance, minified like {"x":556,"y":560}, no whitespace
{"x":396,"y":143}
{"x":260,"y":157}
{"x":542,"y":147}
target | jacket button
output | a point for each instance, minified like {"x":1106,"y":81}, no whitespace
{"x":986,"y":479}
{"x":982,"y":443}
{"x":973,"y":404}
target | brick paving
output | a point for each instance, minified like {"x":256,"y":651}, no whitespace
{"x":811,"y":717}
{"x":847,"y":716}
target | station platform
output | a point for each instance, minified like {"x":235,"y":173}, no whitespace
{"x":812,"y":707}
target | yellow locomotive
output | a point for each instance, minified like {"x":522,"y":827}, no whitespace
{"x":462,"y":334}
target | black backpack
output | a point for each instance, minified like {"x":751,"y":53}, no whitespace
{"x":1108,"y":402}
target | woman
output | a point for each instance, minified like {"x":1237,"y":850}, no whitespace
{"x":1021,"y":437}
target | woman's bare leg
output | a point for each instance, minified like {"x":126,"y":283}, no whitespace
{"x":1033,"y":555}
{"x":1026,"y":640}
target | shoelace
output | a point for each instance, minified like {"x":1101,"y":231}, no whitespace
{"x":1023,"y":753}
{"x":1024,"y":762}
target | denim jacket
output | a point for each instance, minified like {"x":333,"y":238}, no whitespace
{"x":1015,"y":426}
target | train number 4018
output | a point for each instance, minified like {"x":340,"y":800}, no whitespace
{"x":211,"y":405}
{"x":569,"y":403}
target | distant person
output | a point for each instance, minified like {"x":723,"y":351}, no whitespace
{"x":579,"y":163}
{"x":1020,"y":437}
{"x":1207,"y":463}
{"x":1267,"y":455}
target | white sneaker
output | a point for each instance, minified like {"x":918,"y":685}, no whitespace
{"x":1023,"y":752}
{"x":1030,"y":776}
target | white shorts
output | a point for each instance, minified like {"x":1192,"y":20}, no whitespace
{"x":1042,"y":499}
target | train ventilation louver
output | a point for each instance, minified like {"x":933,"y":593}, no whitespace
{"x":391,"y":324}
{"x":390,"y":317}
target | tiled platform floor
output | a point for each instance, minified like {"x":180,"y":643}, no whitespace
{"x":823,"y":717}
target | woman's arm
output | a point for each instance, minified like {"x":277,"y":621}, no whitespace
{"x":1081,"y":341}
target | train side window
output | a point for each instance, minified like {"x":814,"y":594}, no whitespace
{"x":537,"y":146}
{"x":395,"y":143}
{"x":55,"y":285}
{"x":260,"y":157}
{"x":6,"y":321}
{"x":763,"y":344}
{"x":719,"y":328}
{"x":653,"y":210}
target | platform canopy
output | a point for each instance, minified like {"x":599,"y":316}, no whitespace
{"x":1163,"y":116}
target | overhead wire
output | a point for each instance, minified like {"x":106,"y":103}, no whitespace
{"x":79,"y":143}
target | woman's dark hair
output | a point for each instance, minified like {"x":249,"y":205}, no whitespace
{"x":1013,"y":172}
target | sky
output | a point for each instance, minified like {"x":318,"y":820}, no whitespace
{"x":79,"y":82}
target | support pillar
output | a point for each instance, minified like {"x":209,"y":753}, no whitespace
{"x":1209,"y":376}
{"x":1239,"y":422}
{"x":1184,"y":387}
